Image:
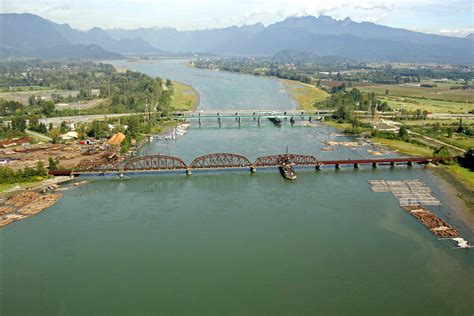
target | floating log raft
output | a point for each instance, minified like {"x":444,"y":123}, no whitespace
{"x":412,"y":195}
{"x":438,"y":226}
{"x":40,"y":204}
{"x":22,"y":199}
{"x":24,"y":205}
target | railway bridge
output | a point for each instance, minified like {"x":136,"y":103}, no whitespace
{"x":222,"y":161}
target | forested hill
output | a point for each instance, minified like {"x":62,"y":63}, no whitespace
{"x":31,"y":35}
{"x":322,"y":36}
{"x":27,"y":35}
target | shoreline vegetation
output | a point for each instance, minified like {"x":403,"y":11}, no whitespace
{"x":303,"y":95}
{"x":457,"y":177}
{"x":185,"y":97}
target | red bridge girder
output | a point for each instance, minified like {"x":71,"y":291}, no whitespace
{"x":220,"y":160}
{"x":155,"y":162}
{"x":296,"y":159}
{"x":96,"y":166}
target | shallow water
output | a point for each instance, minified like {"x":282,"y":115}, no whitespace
{"x":219,"y":89}
{"x":236,"y":243}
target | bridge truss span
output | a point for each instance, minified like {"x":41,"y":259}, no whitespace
{"x":296,"y":159}
{"x":96,"y":166}
{"x":220,"y":160}
{"x":155,"y":162}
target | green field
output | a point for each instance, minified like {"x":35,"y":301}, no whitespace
{"x":184,"y":98}
{"x":441,"y":92}
{"x":305,"y":95}
{"x":432,"y":106}
{"x":404,"y":147}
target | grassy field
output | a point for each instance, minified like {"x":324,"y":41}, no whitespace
{"x":441,"y":92}
{"x":463,"y":174}
{"x":432,"y":106}
{"x":22,"y":96}
{"x":339,"y":126}
{"x":121,"y":68}
{"x":24,"y":185}
{"x":404,"y":147}
{"x":184,"y":98}
{"x":304,"y":94}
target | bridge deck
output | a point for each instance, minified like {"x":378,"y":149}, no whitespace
{"x":227,"y":161}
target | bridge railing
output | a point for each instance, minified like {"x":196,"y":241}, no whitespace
{"x":230,"y":160}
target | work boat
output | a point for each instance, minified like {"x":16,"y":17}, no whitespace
{"x":275,"y":120}
{"x":287,"y":171}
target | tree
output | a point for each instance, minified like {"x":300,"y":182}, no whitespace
{"x":40,"y":169}
{"x":18,"y":123}
{"x":33,"y":122}
{"x":54,"y":134}
{"x":31,"y":100}
{"x":460,"y":127}
{"x":443,"y":152}
{"x":47,"y":107}
{"x":42,"y":128}
{"x":450,"y":132}
{"x":403,"y":133}
{"x":53,"y":164}
{"x":63,"y":128}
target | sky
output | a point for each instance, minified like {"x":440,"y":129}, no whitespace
{"x":446,"y":17}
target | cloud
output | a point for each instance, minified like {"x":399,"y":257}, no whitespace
{"x":456,"y":32}
{"x":63,"y":7}
{"x":369,"y":6}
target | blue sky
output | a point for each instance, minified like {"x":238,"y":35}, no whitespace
{"x":448,"y":17}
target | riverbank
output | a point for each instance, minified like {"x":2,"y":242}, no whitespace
{"x":457,"y":181}
{"x":185,"y":97}
{"x":303,"y":95}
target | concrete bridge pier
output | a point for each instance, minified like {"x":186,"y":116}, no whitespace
{"x":318,"y":167}
{"x":337,"y":166}
{"x":189,"y":172}
{"x":410,"y":164}
{"x":392,"y":164}
{"x":356,"y":166}
{"x":374,"y":165}
{"x":253,"y":169}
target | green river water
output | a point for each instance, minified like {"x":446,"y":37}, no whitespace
{"x":234,"y":243}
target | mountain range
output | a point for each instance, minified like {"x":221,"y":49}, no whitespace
{"x":31,"y":35}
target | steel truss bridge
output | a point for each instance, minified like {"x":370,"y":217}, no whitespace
{"x":219,"y":161}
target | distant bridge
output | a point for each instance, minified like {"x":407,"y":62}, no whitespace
{"x":221,"y":161}
{"x":239,"y":115}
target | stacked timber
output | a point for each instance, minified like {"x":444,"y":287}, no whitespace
{"x":438,"y":226}
{"x":22,"y":199}
{"x":40,"y":204}
{"x":25,"y":204}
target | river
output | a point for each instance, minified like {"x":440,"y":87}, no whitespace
{"x":236,"y":243}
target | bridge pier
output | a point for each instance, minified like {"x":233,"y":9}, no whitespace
{"x":374,"y":165}
{"x":318,"y":167}
{"x":410,"y":164}
{"x":392,"y":164}
{"x":356,"y":166}
{"x":253,"y":169}
{"x":337,"y":166}
{"x":189,"y":172}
